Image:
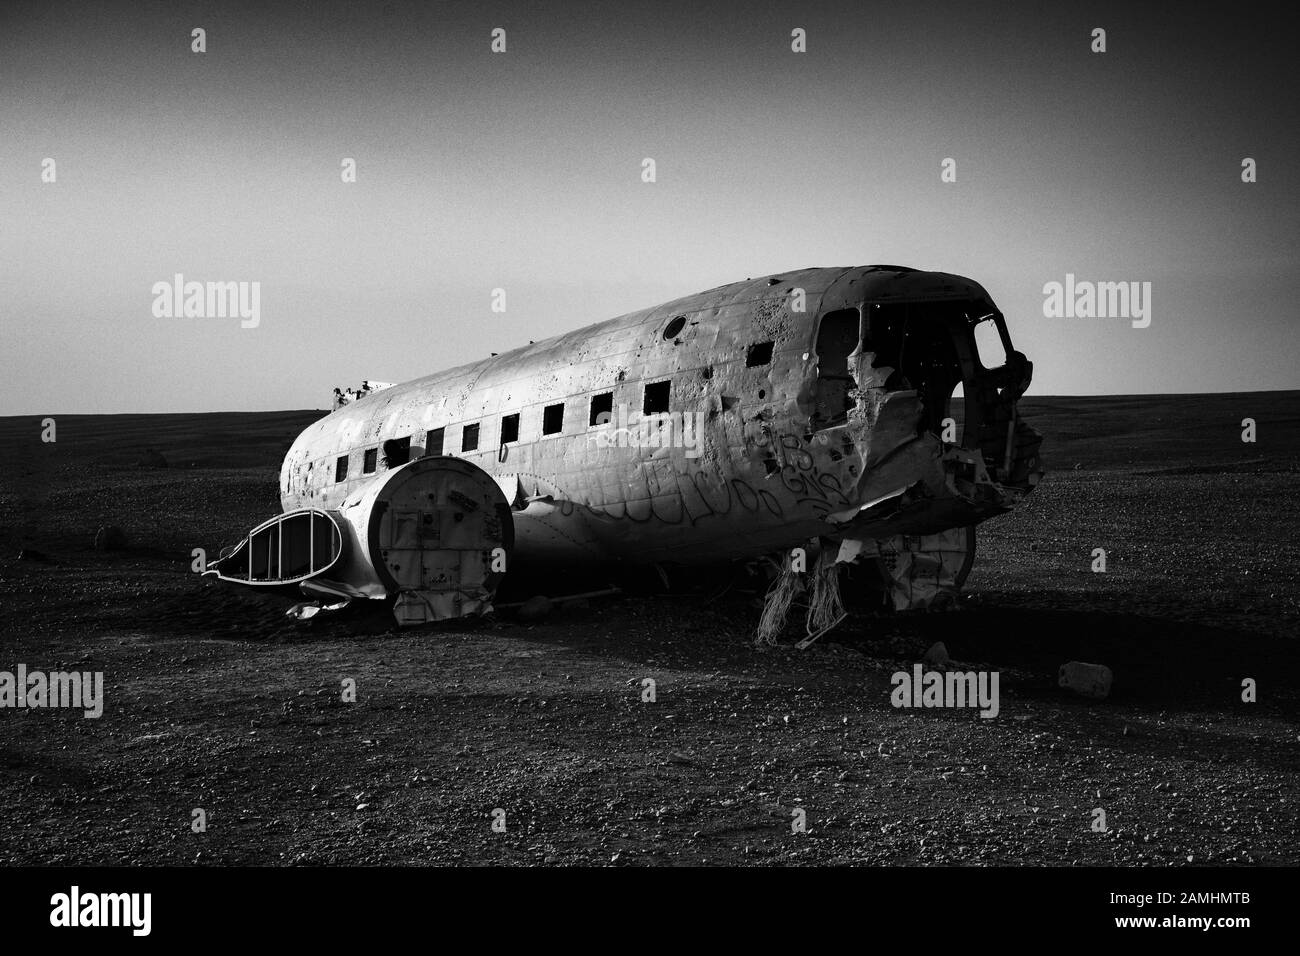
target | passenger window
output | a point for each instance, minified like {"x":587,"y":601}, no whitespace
{"x":510,"y":428}
{"x":469,"y":438}
{"x":656,"y":398}
{"x":602,"y":408}
{"x":368,"y":462}
{"x":433,"y":444}
{"x":341,"y":468}
{"x":553,"y":419}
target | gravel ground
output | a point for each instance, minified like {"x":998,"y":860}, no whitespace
{"x":214,"y":701}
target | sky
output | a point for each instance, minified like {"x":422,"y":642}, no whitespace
{"x":523,"y":170}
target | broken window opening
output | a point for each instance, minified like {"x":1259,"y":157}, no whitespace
{"x":656,"y":397}
{"x":957,"y":412}
{"x":341,"y":469}
{"x":433,"y":443}
{"x":761,"y":353}
{"x":397,"y":452}
{"x":602,"y":408}
{"x":469,"y":438}
{"x":369,"y":460}
{"x":988,"y":343}
{"x":837,"y":339}
{"x":509,"y":428}
{"x":553,"y":419}
{"x":918,"y":341}
{"x":674,"y":327}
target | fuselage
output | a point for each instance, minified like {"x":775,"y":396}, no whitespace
{"x":815,"y":400}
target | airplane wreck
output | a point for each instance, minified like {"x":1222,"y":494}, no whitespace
{"x":851,"y":417}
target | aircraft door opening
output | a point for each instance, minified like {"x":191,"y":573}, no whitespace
{"x":837,"y":339}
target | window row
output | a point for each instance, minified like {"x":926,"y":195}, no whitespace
{"x":655,"y":400}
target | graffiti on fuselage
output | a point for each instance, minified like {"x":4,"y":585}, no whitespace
{"x":677,"y":497}
{"x":800,"y":475}
{"x":688,"y":498}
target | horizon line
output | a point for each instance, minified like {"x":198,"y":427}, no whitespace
{"x":272,"y":411}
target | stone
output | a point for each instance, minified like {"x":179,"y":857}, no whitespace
{"x":1087,"y":680}
{"x":937,"y":655}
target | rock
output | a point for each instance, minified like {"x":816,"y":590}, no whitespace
{"x":535,"y":608}
{"x":1088,"y":680}
{"x":110,"y":538}
{"x":937,"y":655}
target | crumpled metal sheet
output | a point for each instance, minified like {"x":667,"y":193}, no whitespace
{"x":415,"y":606}
{"x":921,"y":571}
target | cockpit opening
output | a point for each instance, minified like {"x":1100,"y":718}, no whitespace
{"x":932,"y":347}
{"x":916,"y":341}
{"x":988,"y":342}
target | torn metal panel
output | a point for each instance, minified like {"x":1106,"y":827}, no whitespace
{"x":924,"y":571}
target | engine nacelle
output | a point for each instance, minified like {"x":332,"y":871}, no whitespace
{"x":435,"y":535}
